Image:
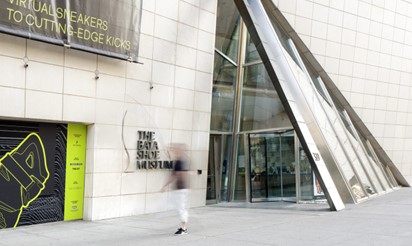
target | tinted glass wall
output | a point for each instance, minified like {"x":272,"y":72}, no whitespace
{"x":244,"y":102}
{"x":225,"y":66}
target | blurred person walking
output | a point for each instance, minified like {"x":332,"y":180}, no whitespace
{"x":180,"y":180}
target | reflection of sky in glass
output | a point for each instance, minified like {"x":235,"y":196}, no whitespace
{"x":227,"y":29}
{"x":261,"y":106}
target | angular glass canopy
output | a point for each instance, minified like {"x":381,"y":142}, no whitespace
{"x":348,"y":160}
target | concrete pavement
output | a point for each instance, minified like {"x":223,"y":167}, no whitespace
{"x":385,"y":220}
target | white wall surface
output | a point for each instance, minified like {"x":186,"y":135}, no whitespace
{"x":59,"y":85}
{"x":366,"y":48}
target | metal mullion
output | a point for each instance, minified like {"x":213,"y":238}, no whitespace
{"x":391,"y":180}
{"x":297,"y":168}
{"x":248,"y":185}
{"x":365,"y":152}
{"x":266,"y":167}
{"x":226,"y":57}
{"x":333,"y":106}
{"x":236,"y":109}
{"x":281,"y":166}
{"x":329,"y":121}
{"x":252,"y":63}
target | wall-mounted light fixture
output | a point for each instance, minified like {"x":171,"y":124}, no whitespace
{"x":96,"y":73}
{"x":25,"y":61}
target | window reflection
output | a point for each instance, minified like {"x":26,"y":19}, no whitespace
{"x":223,"y":96}
{"x":252,"y":54}
{"x":225,"y":66}
{"x":224,"y":72}
{"x":261,"y":106}
{"x":376,"y":164}
{"x":240,"y":170}
{"x":317,"y":81}
{"x":227,"y":29}
{"x":256,"y":77}
{"x":280,"y":32}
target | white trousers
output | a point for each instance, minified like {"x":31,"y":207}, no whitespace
{"x":181,"y":203}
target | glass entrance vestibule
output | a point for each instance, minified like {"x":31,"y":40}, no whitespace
{"x":267,"y":91}
{"x":270,"y":166}
{"x":254,"y":154}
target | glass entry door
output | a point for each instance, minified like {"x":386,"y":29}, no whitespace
{"x":272,"y":166}
{"x":218,"y":169}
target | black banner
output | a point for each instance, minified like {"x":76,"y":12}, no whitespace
{"x":105,"y":27}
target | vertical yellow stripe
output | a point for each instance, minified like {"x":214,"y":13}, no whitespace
{"x":75,"y":169}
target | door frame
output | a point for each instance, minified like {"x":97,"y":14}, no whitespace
{"x":248,"y":177}
{"x":215,"y":157}
{"x":219,"y":151}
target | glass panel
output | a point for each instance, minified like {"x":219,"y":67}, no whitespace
{"x":345,"y":119}
{"x":223,"y":96}
{"x":341,"y":146}
{"x":274,"y":163}
{"x":366,"y":161}
{"x":227,"y":29}
{"x":211,"y":170}
{"x":287,"y":153}
{"x":375,"y":163}
{"x":363,"y":176}
{"x":256,"y":77}
{"x":283,"y":37}
{"x":343,"y":162}
{"x":392,"y":178}
{"x":310,"y":188}
{"x":272,"y":166}
{"x":240,"y":172}
{"x":258,"y":166}
{"x":318,"y":82}
{"x":261,"y":106}
{"x":358,"y":159}
{"x":218,"y":167}
{"x":225,"y":167}
{"x":252,"y":54}
{"x":224,"y":72}
{"x":306,"y":176}
{"x":346,"y":143}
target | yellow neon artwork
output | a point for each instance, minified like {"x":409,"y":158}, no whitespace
{"x":23,"y":174}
